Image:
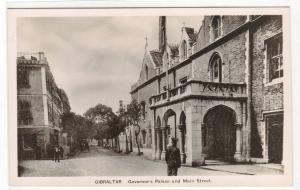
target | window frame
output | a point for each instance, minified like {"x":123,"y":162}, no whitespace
{"x":213,"y":28}
{"x":268,"y":69}
{"x":184,"y":49}
{"x":24,"y":113}
{"x":215,"y":59}
{"x":147,"y":72}
{"x":23,"y":78}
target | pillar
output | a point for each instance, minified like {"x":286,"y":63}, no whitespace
{"x":238,"y":147}
{"x":154,"y":144}
{"x":181,"y":143}
{"x":158,"y":151}
{"x":163,"y":133}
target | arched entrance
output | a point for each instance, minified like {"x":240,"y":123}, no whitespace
{"x":168,"y":130}
{"x":218,"y":133}
{"x":170,"y":125}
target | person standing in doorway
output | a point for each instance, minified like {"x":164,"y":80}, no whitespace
{"x":173,"y":158}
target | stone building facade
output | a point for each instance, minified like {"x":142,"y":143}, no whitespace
{"x":219,"y":91}
{"x":40,"y":105}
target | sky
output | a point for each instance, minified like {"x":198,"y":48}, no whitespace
{"x":96,"y":59}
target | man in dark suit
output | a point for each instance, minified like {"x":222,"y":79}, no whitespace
{"x":173,"y":158}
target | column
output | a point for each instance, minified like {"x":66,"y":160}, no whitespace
{"x":237,"y":155}
{"x":158,"y":151}
{"x":182,"y":142}
{"x":154,"y":144}
{"x":163,"y":133}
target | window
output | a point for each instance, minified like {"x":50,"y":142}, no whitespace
{"x":215,"y":29}
{"x":216,"y":68}
{"x":147,"y":72}
{"x":184,"y":50}
{"x":274,"y":58}
{"x":23,"y":78}
{"x":24,"y":113}
{"x":143,"y":107}
{"x":183,"y":80}
{"x":50,"y":112}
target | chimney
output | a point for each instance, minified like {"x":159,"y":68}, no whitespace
{"x":162,"y":33}
{"x":41,"y":56}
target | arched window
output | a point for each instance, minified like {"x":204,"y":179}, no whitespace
{"x":216,"y":68}
{"x":184,"y":50}
{"x":147,"y":72}
{"x":215,"y":27}
{"x":143,"y":109}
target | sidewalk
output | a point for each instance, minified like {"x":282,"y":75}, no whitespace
{"x":147,"y":152}
{"x":244,"y":169}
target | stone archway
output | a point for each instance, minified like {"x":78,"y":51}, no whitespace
{"x":168,"y":130}
{"x":219,"y":133}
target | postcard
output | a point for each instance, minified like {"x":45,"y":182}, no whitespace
{"x":166,"y":97}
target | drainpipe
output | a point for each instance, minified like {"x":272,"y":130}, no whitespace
{"x":249,"y":87}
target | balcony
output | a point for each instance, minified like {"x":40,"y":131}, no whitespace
{"x":31,"y":58}
{"x":200,"y":90}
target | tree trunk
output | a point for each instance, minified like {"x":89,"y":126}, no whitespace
{"x":137,"y":143}
{"x":126,"y":143}
{"x":118,"y":143}
{"x":136,"y":133}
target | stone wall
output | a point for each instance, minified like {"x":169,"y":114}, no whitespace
{"x":36,"y":108}
{"x":233,"y":55}
{"x":35,"y":81}
{"x":229,"y":23}
{"x":265,"y":97}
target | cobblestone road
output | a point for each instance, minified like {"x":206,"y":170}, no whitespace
{"x":102,"y":162}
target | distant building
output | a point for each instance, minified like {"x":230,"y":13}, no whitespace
{"x":40,"y":105}
{"x":219,"y":91}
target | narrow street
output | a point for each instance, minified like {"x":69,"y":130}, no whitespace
{"x":102,"y":162}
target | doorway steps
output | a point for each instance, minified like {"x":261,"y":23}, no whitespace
{"x":216,"y":162}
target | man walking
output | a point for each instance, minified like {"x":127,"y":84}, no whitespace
{"x":173,"y":158}
{"x":56,"y":154}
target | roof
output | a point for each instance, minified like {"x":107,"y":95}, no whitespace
{"x":174,"y":49}
{"x":156,"y":57}
{"x":191,"y":33}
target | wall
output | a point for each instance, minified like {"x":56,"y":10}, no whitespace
{"x":151,"y":71}
{"x":233,"y":57}
{"x":265,"y":97}
{"x":37,"y":109}
{"x":35,"y":81}
{"x":229,"y":23}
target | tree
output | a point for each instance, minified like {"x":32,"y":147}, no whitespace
{"x":77,"y":126}
{"x":104,"y":120}
{"x":121,"y":123}
{"x":134,"y":114}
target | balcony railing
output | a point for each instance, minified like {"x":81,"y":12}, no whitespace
{"x":201,"y":89}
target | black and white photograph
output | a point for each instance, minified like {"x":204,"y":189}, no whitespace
{"x":203,"y":94}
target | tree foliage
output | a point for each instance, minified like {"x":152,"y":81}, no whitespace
{"x":134,"y":115}
{"x":106,"y":122}
{"x":76,"y":125}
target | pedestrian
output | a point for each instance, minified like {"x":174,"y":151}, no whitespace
{"x":56,"y":154}
{"x":61,"y":152}
{"x":173,"y":158}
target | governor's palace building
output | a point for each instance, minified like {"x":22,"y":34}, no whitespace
{"x":219,"y":91}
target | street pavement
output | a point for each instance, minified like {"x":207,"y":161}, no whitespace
{"x":103,"y":162}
